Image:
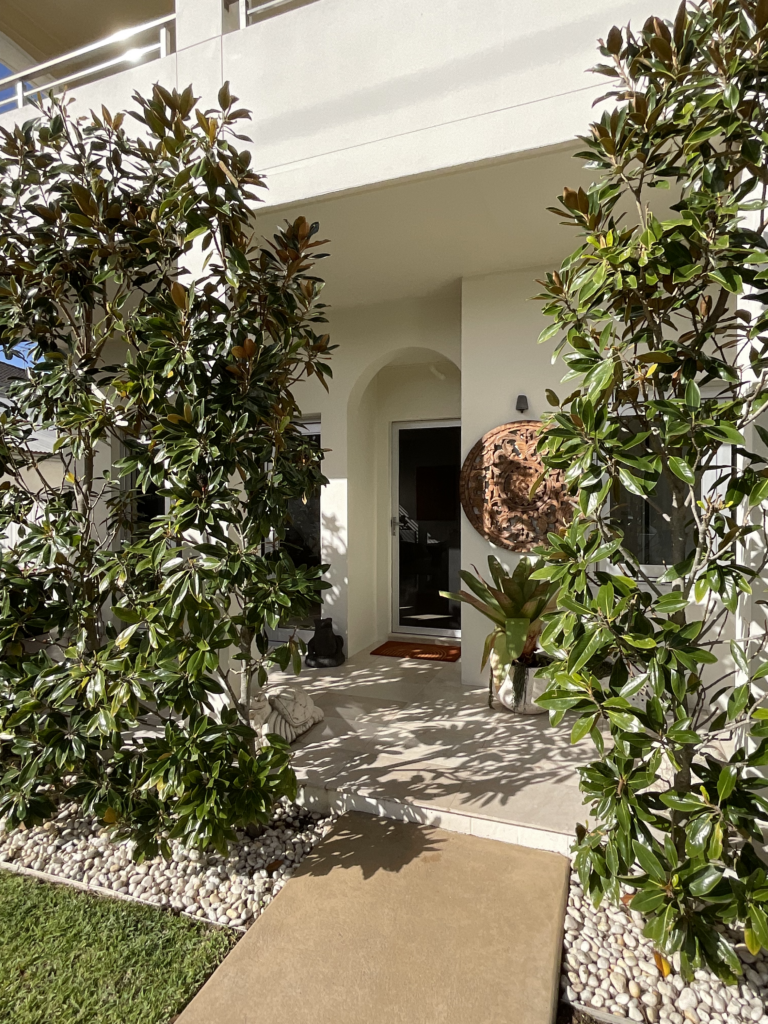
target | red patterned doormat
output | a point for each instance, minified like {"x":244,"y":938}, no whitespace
{"x":424,"y":652}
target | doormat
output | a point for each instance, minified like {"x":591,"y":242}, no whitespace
{"x":423,"y":652}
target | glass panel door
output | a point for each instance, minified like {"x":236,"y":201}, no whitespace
{"x":426,"y":528}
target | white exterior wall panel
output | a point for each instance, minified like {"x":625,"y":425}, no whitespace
{"x":346,"y":93}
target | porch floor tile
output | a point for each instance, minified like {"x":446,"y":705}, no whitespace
{"x":408,"y":735}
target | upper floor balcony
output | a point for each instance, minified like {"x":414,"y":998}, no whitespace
{"x":344,"y":93}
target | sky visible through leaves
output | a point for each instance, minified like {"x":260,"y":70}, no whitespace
{"x":4,"y":94}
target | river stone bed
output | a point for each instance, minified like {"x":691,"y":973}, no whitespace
{"x":230,"y":890}
{"x":609,"y":965}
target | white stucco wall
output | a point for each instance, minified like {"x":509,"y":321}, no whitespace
{"x":346,"y":94}
{"x":500,"y":360}
{"x":398,"y":88}
{"x":489,"y":331}
{"x":365,"y":396}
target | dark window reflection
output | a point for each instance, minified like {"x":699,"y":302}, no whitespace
{"x":429,"y":531}
{"x":647,"y":533}
{"x":149,"y":505}
{"x":302,"y":541}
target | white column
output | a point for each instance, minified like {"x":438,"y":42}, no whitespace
{"x":499,"y":360}
{"x":199,"y":33}
{"x":197,"y":21}
{"x":750,"y":616}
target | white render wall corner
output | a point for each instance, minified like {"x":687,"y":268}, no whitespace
{"x":200,"y":66}
{"x":500,"y":360}
{"x":199,"y":63}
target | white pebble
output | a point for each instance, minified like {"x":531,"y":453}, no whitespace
{"x":687,"y":1000}
{"x":198,"y":884}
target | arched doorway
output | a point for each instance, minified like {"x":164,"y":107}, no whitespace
{"x":399,"y":399}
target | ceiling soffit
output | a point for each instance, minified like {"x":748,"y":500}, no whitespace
{"x":49,"y":28}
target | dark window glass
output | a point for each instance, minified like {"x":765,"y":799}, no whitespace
{"x":429,"y":544}
{"x":302,"y":541}
{"x":149,"y":505}
{"x":647,"y":533}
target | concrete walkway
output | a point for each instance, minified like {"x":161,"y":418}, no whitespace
{"x":389,"y":922}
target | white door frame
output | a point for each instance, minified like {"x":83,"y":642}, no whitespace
{"x":394,"y":530}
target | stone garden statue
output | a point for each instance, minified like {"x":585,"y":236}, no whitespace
{"x":325,"y":649}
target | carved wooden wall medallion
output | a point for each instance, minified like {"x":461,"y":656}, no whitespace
{"x":495,"y":485}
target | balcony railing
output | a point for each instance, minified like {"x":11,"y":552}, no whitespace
{"x":48,"y":76}
{"x":250,"y":11}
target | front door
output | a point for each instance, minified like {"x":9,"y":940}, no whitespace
{"x":426,"y":528}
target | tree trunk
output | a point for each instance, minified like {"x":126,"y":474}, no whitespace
{"x":246,"y":683}
{"x":90,"y":589}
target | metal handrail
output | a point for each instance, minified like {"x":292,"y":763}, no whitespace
{"x":248,"y":8}
{"x":266,"y":5}
{"x":131,"y":55}
{"x":18,"y":79}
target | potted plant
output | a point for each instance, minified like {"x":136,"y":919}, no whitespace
{"x":515,"y":604}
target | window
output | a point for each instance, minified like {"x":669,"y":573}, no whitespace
{"x":149,"y":505}
{"x":647,"y":524}
{"x":302,"y":538}
{"x":647,"y":533}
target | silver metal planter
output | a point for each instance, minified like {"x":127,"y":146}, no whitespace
{"x":517,"y":688}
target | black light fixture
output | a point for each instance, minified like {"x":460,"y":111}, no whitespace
{"x":522,"y":403}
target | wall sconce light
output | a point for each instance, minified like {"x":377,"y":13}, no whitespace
{"x":522,"y":403}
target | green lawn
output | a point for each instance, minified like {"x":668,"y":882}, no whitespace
{"x":67,"y":957}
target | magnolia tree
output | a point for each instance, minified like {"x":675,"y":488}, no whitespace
{"x":660,"y":436}
{"x":140,"y":567}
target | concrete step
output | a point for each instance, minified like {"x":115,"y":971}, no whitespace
{"x":407,"y":740}
{"x":384,"y":805}
{"x":388,"y":922}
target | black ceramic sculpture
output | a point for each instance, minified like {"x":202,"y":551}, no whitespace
{"x":325,"y":649}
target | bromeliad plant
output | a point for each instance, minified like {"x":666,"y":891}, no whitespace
{"x":515,"y":604}
{"x":140,"y":566}
{"x":661,"y":313}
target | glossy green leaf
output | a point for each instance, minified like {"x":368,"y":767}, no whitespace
{"x":705,"y":880}
{"x":726,"y":781}
{"x":692,"y":395}
{"x":682,"y":470}
{"x":649,"y":862}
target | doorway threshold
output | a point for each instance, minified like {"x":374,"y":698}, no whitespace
{"x":419,"y":638}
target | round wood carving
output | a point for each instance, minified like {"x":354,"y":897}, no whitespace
{"x":496,"y":481}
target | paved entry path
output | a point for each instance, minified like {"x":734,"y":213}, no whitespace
{"x":389,"y":922}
